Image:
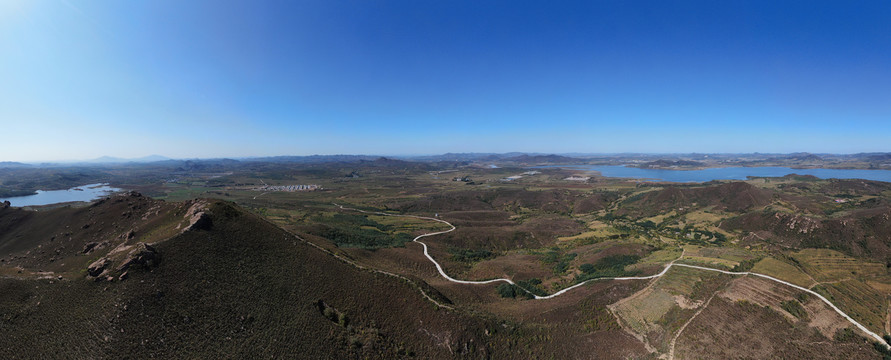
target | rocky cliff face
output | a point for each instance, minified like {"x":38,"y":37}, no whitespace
{"x":197,"y":216}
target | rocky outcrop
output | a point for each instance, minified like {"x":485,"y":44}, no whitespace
{"x":198,"y":217}
{"x":93,"y":246}
{"x":144,"y":255}
{"x":801,"y":224}
{"x":89,"y":247}
{"x":200,"y":221}
{"x":141,"y":254}
{"x":99,"y":267}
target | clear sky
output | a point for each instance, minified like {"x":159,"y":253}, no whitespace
{"x":82,"y":79}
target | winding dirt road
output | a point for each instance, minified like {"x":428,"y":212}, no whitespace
{"x":665,"y":270}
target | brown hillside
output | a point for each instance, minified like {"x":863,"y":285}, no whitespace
{"x":855,"y":187}
{"x":231,"y":286}
{"x":864,"y":233}
{"x":554,"y":201}
{"x":67,"y":239}
{"x":734,"y":197}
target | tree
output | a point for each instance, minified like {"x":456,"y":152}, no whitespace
{"x":506,"y":290}
{"x":587,"y":268}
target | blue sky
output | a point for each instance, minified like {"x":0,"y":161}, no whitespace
{"x":82,"y":79}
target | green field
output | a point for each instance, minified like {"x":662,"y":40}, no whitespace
{"x":783,"y":271}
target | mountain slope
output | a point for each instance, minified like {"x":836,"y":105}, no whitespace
{"x":733,"y":196}
{"x":236,"y":286}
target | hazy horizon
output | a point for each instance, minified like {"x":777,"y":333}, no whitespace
{"x":147,"y":158}
{"x":199,"y":79}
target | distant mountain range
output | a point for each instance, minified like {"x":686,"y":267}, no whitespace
{"x":144,"y":159}
{"x":544,"y":159}
{"x":12,"y":164}
{"x":313,"y":158}
{"x":658,"y":164}
{"x":874,"y":160}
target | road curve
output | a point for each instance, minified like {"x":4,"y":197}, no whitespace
{"x":665,"y":270}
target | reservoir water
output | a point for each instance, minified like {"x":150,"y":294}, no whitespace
{"x":88,"y":192}
{"x":727,"y":173}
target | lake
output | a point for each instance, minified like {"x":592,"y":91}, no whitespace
{"x":727,"y":173}
{"x":88,"y":192}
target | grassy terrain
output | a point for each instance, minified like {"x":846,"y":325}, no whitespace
{"x":348,"y":230}
{"x":642,"y":314}
{"x":658,"y":312}
{"x":830,"y":265}
{"x":658,"y":257}
{"x":783,"y":271}
{"x":861,"y":301}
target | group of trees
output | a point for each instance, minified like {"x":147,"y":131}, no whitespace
{"x":468,"y":255}
{"x":610,"y":266}
{"x":524,"y":288}
{"x":511,"y":291}
{"x":559,"y":260}
{"x":358,"y":231}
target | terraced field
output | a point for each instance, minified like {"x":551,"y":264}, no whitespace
{"x":657,"y":312}
{"x":861,"y":301}
{"x":658,"y":257}
{"x":830,"y":265}
{"x":642,"y":313}
{"x":760,"y":291}
{"x":726,"y":253}
{"x":783,"y":271}
{"x":682,"y":281}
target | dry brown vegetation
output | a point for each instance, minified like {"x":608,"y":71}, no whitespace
{"x":245,"y":286}
{"x":744,"y":330}
{"x":734,"y":197}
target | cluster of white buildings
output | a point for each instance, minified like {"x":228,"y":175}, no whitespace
{"x":512,"y":178}
{"x":289,"y":188}
{"x":517,"y":177}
